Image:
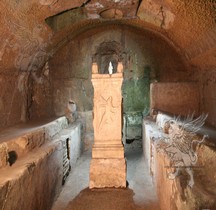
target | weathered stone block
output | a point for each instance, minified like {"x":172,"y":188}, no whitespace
{"x":108,"y":151}
{"x":108,"y":166}
{"x":107,"y":173}
{"x":176,"y":98}
{"x":34,"y":180}
{"x":177,"y":193}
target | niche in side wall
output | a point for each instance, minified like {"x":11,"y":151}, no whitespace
{"x":110,"y":51}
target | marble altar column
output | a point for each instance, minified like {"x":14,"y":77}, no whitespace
{"x":108,"y":165}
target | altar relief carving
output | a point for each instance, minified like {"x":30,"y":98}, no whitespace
{"x":108,"y":166}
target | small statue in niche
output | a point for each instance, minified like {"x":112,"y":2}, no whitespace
{"x":94,"y":68}
{"x":110,"y":68}
{"x":71,"y":112}
{"x":120,"y":67}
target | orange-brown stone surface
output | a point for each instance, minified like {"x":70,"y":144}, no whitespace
{"x":175,"y":98}
{"x":108,"y":166}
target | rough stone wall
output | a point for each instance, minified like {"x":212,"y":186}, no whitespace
{"x":209,"y":95}
{"x":24,"y":96}
{"x":13,"y":98}
{"x":205,"y":76}
{"x":176,"y":98}
{"x":40,"y":101}
{"x":27,"y":42}
{"x":145,"y":57}
{"x":23,"y":49}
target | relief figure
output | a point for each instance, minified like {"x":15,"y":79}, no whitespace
{"x":107,"y":112}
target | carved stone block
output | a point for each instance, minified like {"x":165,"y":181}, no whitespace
{"x":108,"y":166}
{"x":107,"y":172}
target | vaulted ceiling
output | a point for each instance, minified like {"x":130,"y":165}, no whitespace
{"x":33,"y":30}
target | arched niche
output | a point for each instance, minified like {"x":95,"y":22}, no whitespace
{"x":110,"y":51}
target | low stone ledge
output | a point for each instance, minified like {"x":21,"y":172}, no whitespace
{"x":35,"y":180}
{"x":176,"y":193}
{"x":150,"y":131}
{"x":54,"y":127}
{"x":27,"y":139}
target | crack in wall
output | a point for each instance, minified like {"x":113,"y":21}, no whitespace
{"x":8,"y":191}
{"x":163,"y":17}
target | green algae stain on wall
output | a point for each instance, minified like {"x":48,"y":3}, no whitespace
{"x":65,"y":18}
{"x":136,"y":101}
{"x":136,"y":93}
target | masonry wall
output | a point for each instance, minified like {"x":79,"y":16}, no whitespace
{"x":12,"y":98}
{"x":145,"y":56}
{"x":180,"y":98}
{"x":24,"y":96}
{"x":206,"y":79}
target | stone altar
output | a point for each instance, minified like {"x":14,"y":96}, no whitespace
{"x":108,"y":165}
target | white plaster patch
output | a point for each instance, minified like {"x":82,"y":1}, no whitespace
{"x":48,"y":2}
{"x":93,"y":16}
{"x":96,"y":5}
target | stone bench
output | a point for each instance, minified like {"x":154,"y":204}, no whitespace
{"x":34,"y":179}
{"x":176,"y":193}
{"x":20,"y":140}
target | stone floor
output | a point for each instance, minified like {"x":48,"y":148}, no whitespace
{"x":140,"y":193}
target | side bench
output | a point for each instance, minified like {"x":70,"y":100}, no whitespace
{"x":175,"y":193}
{"x":33,"y":180}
